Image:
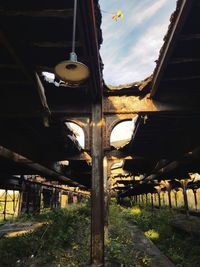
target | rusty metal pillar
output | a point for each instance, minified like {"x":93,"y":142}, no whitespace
{"x":13,"y":203}
{"x":163,"y":198}
{"x":146,"y":199}
{"x":5,"y":205}
{"x":107,"y":192}
{"x":159,"y":199}
{"x":152,"y":202}
{"x":195,"y":198}
{"x":184,"y":184}
{"x":169,"y":196}
{"x":138,"y":197}
{"x":142,"y":199}
{"x":21,"y":192}
{"x":97,"y":199}
{"x":155,"y":198}
{"x":60,"y":197}
{"x":175,"y":196}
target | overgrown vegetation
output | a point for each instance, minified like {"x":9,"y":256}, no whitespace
{"x":121,"y":250}
{"x":64,"y":239}
{"x":181,"y":248}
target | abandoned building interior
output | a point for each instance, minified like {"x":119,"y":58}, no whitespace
{"x":41,"y":160}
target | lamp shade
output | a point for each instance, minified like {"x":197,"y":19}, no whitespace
{"x":71,"y":71}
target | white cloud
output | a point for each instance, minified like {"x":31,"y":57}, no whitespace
{"x":139,"y":62}
{"x":147,"y":12}
{"x":131,"y":46}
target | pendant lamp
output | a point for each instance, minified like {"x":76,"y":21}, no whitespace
{"x":71,"y":71}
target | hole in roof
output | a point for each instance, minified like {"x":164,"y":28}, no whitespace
{"x":78,"y":132}
{"x":122,"y":133}
{"x":49,"y":76}
{"x":129,"y":54}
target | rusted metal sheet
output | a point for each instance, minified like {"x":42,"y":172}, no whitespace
{"x":134,"y":104}
{"x":127,"y":104}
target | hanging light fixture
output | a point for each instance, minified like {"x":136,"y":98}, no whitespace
{"x":71,"y":71}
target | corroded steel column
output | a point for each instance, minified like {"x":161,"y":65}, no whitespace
{"x":175,"y":196}
{"x":97,"y":203}
{"x":195,"y":198}
{"x":159,"y":200}
{"x":184,"y":185}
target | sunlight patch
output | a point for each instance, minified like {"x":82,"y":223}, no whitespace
{"x":152,"y":234}
{"x":135,"y":211}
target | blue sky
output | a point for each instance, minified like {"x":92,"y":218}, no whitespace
{"x":132,"y":45}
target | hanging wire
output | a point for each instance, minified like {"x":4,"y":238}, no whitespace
{"x":74,"y":26}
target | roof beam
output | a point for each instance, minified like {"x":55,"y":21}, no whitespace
{"x":182,"y":78}
{"x":58,"y":44}
{"x":168,"y":47}
{"x":135,"y":104}
{"x":183,"y":60}
{"x":9,"y":66}
{"x":42,"y":170}
{"x":45,"y":13}
{"x":188,"y":37}
{"x":30,"y":78}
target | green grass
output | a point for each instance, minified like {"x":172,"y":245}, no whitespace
{"x":64,"y":239}
{"x":181,"y":248}
{"x":120,"y":249}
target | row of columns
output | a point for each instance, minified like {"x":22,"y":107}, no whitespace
{"x":33,"y":197}
{"x":11,"y":198}
{"x":144,"y":200}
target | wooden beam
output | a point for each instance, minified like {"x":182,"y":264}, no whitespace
{"x":63,"y":44}
{"x":42,"y":170}
{"x":188,"y":37}
{"x":30,"y":78}
{"x":182,"y":78}
{"x":9,"y":66}
{"x":45,"y":13}
{"x":183,"y":60}
{"x":169,"y":44}
{"x":13,"y":83}
{"x":165,"y":169}
{"x":4,"y":41}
